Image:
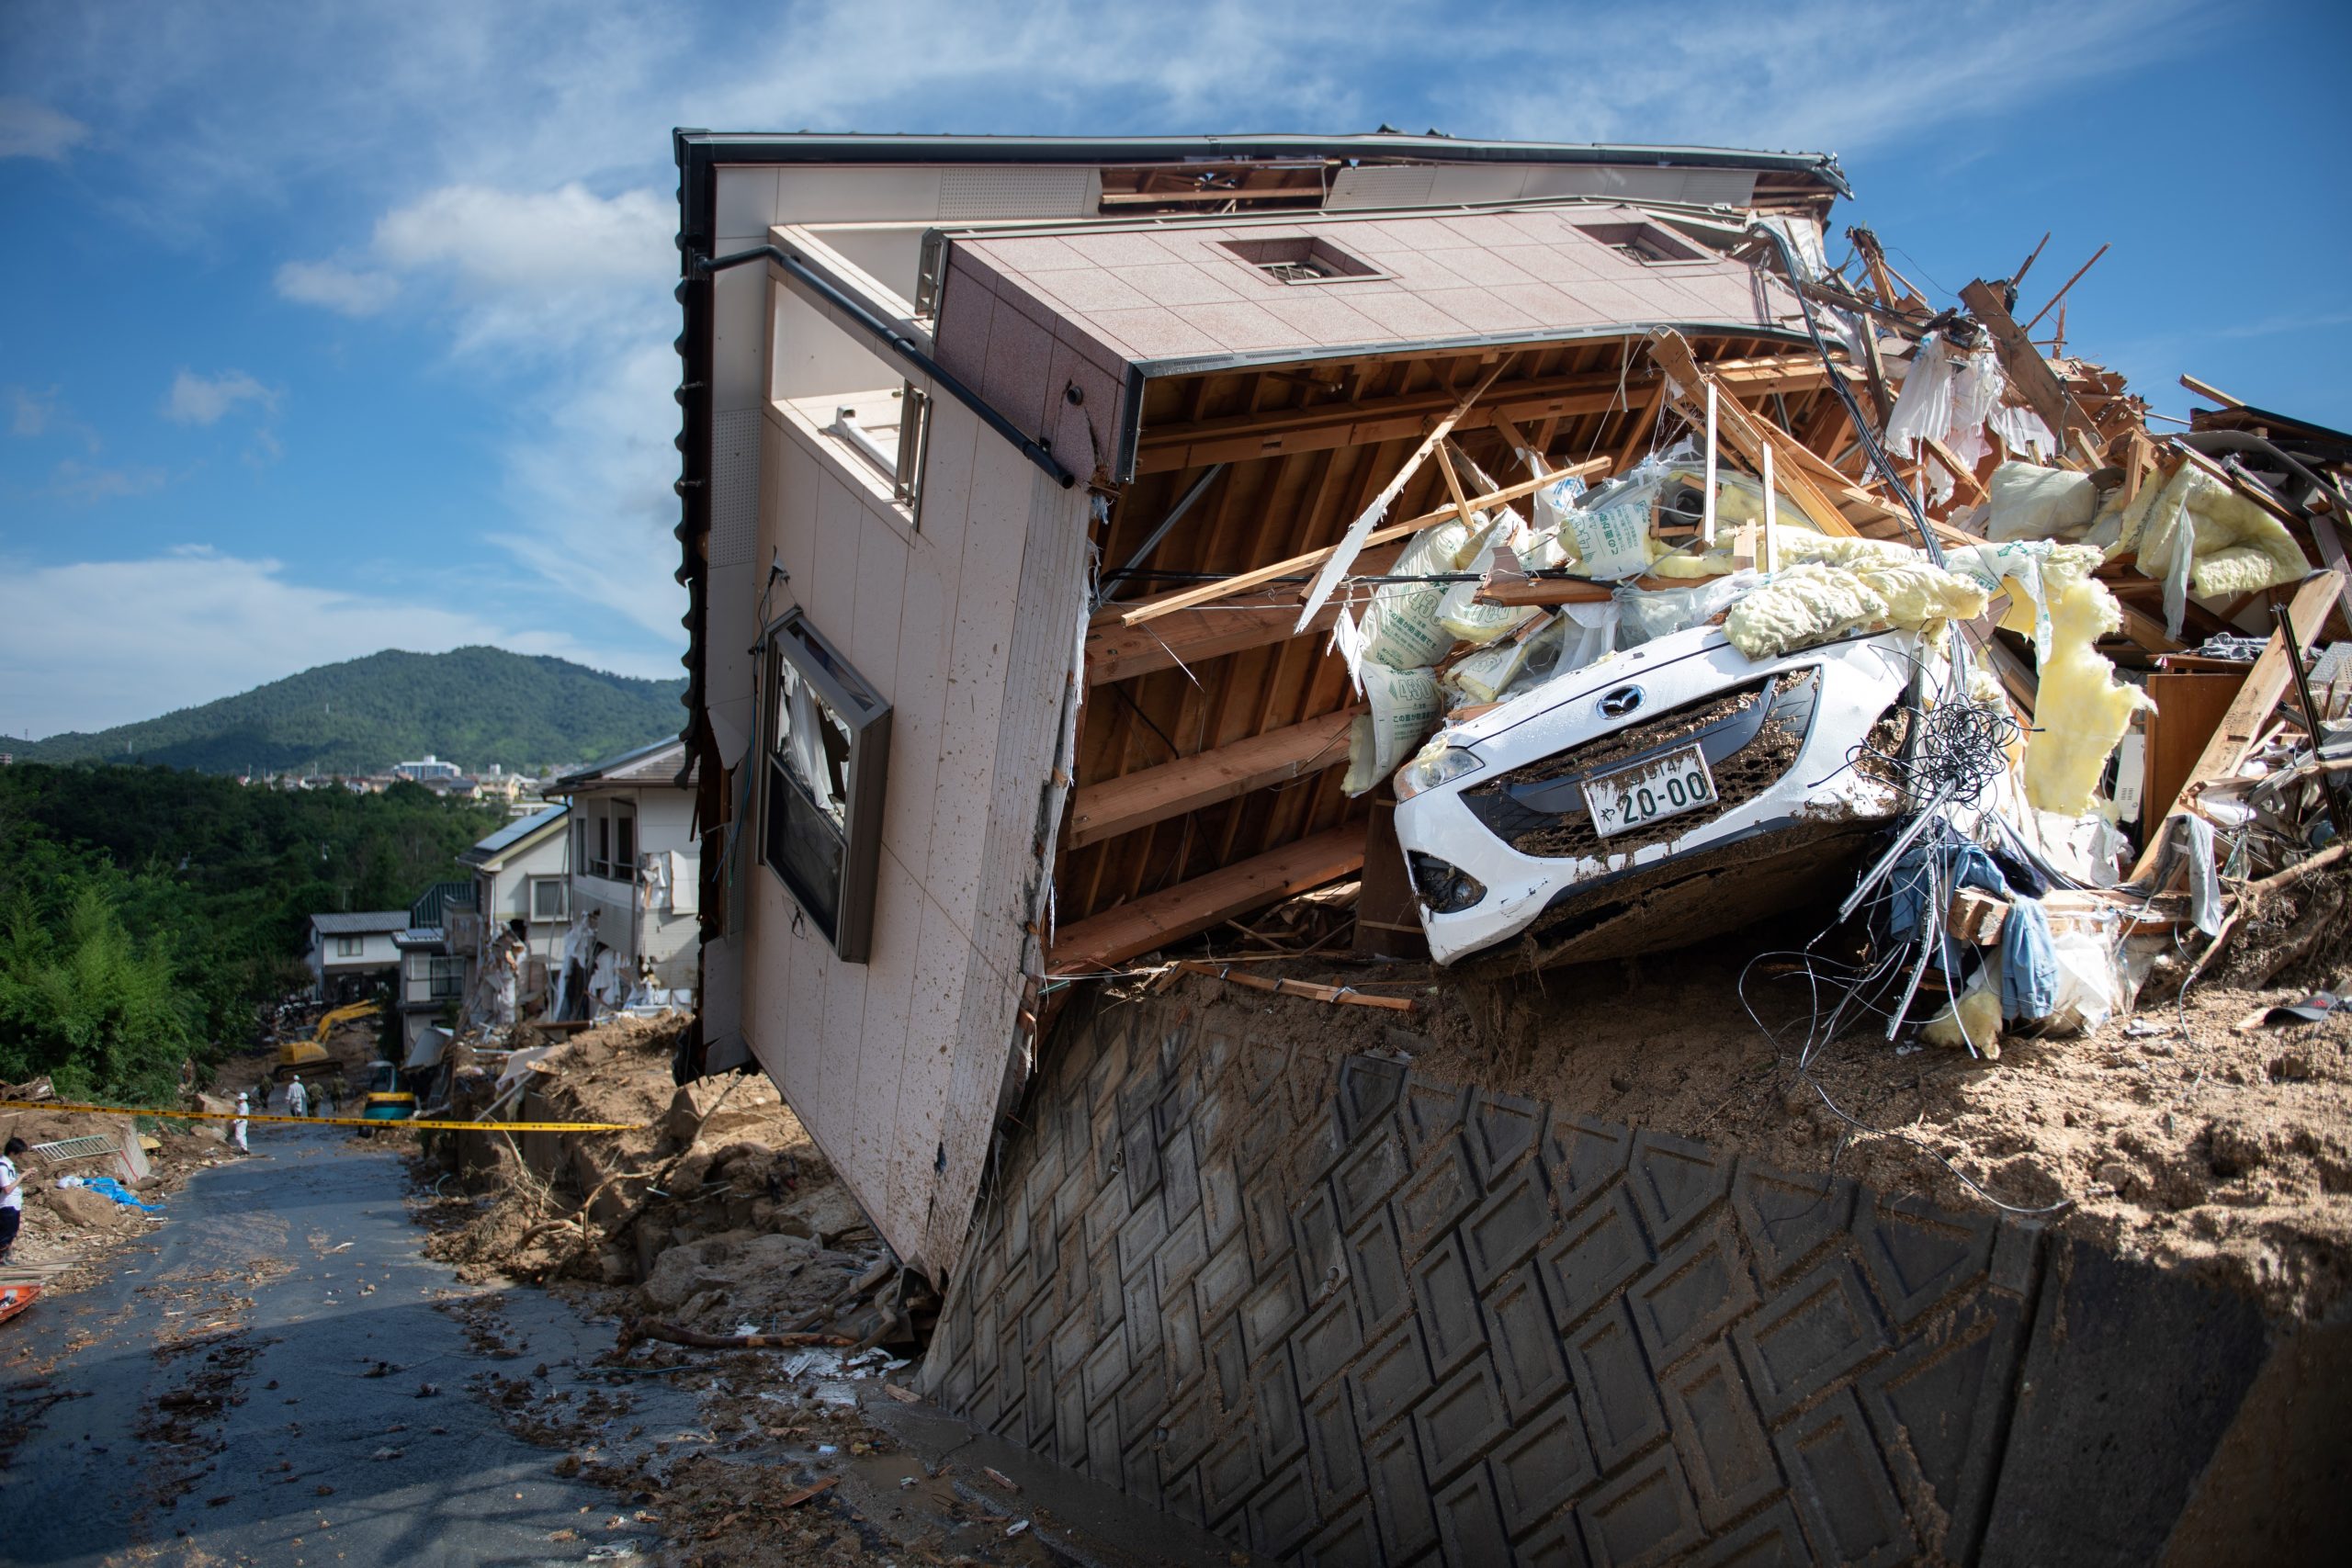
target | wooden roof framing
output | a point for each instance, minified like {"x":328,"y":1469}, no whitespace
{"x":1213,"y":740}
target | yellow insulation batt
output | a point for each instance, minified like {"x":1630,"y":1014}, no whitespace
{"x":2235,"y":547}
{"x":1831,"y":585}
{"x":2081,"y":710}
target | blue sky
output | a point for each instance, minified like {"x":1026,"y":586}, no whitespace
{"x":327,"y":328}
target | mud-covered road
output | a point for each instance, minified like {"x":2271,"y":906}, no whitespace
{"x":268,"y":1379}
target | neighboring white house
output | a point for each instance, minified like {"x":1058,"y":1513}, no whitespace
{"x":432,"y":973}
{"x":635,"y":865}
{"x":522,"y":882}
{"x":348,"y":952}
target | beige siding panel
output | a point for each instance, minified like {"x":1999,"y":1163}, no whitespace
{"x":890,"y":1001}
{"x":832,"y":595}
{"x":806,"y":962}
{"x":987,"y":608}
{"x":840,"y":1051}
{"x":788,"y":517}
{"x":1040,"y":657}
{"x":917,"y":693}
{"x":918,"y":1121}
{"x":881,"y":584}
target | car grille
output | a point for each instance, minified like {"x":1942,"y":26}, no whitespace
{"x":1740,"y":775}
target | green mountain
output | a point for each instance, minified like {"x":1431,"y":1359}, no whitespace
{"x":473,"y":706}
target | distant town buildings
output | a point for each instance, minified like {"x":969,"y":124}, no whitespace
{"x":427,"y":769}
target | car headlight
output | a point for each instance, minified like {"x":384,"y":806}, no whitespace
{"x":1435,"y":764}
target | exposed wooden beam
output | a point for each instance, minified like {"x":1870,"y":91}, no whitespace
{"x":1105,"y":810}
{"x":1242,"y":583}
{"x":1133,"y":928}
{"x":1114,"y":652}
{"x":2026,"y":369}
{"x":1236,"y":438}
{"x":1747,"y":435}
{"x":2265,"y":685}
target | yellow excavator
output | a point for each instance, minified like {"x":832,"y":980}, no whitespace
{"x":298,"y":1056}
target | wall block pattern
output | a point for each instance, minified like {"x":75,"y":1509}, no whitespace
{"x":1341,"y":1314}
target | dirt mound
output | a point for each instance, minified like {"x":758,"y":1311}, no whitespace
{"x":2173,"y":1135}
{"x":715,"y":1212}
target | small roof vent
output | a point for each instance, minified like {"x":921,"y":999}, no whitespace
{"x":1303,"y":258}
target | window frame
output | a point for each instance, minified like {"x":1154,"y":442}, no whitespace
{"x":347,"y":946}
{"x":864,"y":715}
{"x":535,"y":886}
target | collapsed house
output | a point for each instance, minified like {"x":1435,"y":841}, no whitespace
{"x":1093,"y":543}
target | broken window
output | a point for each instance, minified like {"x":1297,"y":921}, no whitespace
{"x":550,"y":898}
{"x":623,"y":840}
{"x":828,"y":745}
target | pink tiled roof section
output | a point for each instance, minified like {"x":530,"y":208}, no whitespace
{"x":1177,"y":292}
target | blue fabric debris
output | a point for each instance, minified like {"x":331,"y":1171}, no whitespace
{"x":2028,"y":963}
{"x":107,"y":1187}
{"x":1942,"y":861}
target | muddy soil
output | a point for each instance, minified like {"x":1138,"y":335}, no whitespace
{"x":2174,"y":1134}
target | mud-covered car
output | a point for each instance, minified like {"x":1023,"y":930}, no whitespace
{"x":1660,"y":795}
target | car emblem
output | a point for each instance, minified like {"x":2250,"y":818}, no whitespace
{"x":1621,"y":701}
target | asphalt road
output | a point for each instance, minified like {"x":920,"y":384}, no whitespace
{"x":220,"y":1404}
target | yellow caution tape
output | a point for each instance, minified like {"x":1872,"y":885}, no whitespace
{"x":325,"y":1121}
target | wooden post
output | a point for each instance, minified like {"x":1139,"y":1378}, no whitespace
{"x":1707,"y":517}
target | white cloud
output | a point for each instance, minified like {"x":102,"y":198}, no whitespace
{"x":86,"y":484}
{"x":206,"y":400}
{"x":90,"y":644}
{"x":493,"y":239}
{"x":28,"y":130}
{"x":30,"y":413}
{"x":351,"y":291}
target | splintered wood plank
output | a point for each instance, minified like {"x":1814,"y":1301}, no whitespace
{"x":1153,"y":795}
{"x":1135,"y":928}
{"x":2027,"y":371}
{"x":2265,"y":685}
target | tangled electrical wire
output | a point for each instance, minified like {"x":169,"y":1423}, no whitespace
{"x":1954,"y":752}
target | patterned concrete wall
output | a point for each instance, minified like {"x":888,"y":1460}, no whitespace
{"x":1342,"y":1315}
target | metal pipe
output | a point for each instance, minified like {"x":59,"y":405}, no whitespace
{"x":1184,"y":504}
{"x":2288,"y":636}
{"x":897,"y":344}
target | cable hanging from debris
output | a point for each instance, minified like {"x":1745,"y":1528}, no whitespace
{"x":1879,"y":459}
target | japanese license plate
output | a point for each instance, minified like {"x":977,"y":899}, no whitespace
{"x":1663,"y":786}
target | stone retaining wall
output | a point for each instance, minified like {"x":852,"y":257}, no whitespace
{"x":1342,"y":1314}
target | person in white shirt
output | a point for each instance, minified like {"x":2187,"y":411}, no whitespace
{"x":12,"y":1197}
{"x":237,"y":1128}
{"x":298,"y":1099}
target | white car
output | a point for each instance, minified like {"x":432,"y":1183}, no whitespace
{"x":1658,"y":796}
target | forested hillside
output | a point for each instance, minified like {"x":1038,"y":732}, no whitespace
{"x":146,"y":914}
{"x":472,"y":705}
